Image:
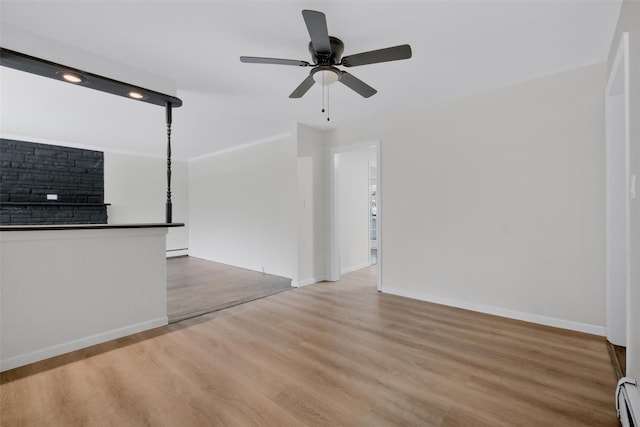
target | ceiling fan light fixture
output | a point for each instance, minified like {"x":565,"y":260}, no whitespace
{"x":327,"y":76}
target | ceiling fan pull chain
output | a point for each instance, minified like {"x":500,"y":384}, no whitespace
{"x":323,"y":92}
{"x":328,"y":99}
{"x":328,"y":103}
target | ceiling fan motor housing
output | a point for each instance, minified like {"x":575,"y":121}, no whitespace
{"x":328,"y":58}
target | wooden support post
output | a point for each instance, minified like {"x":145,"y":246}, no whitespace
{"x":169,"y":206}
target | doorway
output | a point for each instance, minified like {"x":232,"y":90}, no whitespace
{"x":356,"y":237}
{"x":373,"y":213}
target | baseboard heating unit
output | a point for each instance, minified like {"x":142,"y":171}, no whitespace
{"x":628,"y":402}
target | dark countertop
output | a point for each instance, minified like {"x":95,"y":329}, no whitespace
{"x":36,"y":227}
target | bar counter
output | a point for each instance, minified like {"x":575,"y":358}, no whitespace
{"x":87,"y":226}
{"x":66,"y":287}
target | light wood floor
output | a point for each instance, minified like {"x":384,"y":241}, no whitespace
{"x":196,"y":286}
{"x":330,"y":354}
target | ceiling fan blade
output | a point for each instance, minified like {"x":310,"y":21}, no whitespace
{"x":317,"y":27}
{"x":381,"y":55}
{"x":303,"y":87}
{"x":261,"y":60}
{"x":357,"y":85}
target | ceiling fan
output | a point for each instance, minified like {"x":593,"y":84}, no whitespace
{"x":326,"y":53}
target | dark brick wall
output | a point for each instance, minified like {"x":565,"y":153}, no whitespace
{"x":30,"y":171}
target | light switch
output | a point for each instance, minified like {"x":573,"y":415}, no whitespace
{"x":52,"y":197}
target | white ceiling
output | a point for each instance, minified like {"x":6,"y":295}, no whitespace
{"x":459,"y":47}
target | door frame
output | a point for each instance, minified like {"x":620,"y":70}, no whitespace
{"x":617,"y":158}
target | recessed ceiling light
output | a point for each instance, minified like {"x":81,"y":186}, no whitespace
{"x":136,"y":95}
{"x":71,"y":77}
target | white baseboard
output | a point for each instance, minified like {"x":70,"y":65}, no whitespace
{"x":502,"y":312}
{"x":56,"y":350}
{"x":172,"y":253}
{"x":354,"y":268}
{"x":310,"y":281}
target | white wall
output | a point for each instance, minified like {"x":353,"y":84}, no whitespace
{"x":69,"y":289}
{"x":242,"y":207}
{"x":352,"y":179}
{"x":136,"y":187}
{"x":310,"y":206}
{"x":629,"y":21}
{"x":495,"y":201}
